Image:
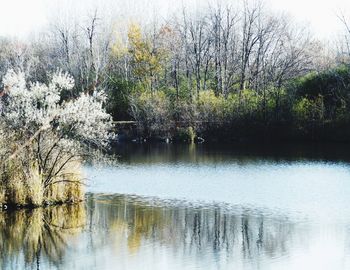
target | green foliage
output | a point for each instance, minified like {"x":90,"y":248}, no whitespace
{"x":249,"y":103}
{"x":207,"y":111}
{"x":309,"y":102}
{"x":151,"y":111}
{"x":333,"y":85}
{"x":211,"y":108}
{"x":185,"y":135}
{"x":118,"y":97}
{"x":308,"y":110}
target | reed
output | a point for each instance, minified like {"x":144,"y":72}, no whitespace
{"x":23,"y":186}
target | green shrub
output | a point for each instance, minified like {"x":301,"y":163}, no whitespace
{"x":308,"y":110}
{"x":185,"y":135}
{"x":152,"y":112}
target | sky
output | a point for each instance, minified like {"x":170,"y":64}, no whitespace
{"x":19,"y":18}
{"x":321,"y":15}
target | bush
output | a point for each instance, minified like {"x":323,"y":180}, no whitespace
{"x":211,"y":108}
{"x":118,"y":92}
{"x":152,"y":112}
{"x":307,"y":110}
{"x":44,"y":139}
{"x":333,"y":85}
{"x":185,"y":135}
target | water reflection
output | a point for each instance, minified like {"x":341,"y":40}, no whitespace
{"x":243,"y":153}
{"x":31,"y":238}
{"x":186,"y":236}
{"x":130,"y":232}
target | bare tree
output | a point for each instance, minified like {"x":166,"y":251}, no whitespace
{"x":224,"y":35}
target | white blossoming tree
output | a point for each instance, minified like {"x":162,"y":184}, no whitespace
{"x":45,"y":138}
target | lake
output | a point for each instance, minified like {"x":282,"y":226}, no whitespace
{"x":170,"y":206}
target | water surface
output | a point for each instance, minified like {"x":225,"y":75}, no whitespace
{"x":195,"y":207}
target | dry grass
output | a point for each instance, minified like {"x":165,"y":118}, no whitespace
{"x":67,"y":187}
{"x":21,"y":186}
{"x":24,"y":182}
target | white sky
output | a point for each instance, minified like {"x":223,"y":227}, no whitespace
{"x":320,"y":14}
{"x":22,"y":17}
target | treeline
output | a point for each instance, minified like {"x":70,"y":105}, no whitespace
{"x":225,"y":73}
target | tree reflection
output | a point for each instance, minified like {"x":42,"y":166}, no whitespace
{"x":191,"y":230}
{"x":38,"y":234}
{"x":132,"y":228}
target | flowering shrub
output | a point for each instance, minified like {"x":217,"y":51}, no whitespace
{"x":47,"y":138}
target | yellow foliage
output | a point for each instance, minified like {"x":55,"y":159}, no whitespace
{"x":146,"y":57}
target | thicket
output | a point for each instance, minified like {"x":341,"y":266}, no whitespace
{"x":229,"y":72}
{"x":310,"y":107}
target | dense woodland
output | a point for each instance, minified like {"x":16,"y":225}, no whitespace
{"x":230,"y":73}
